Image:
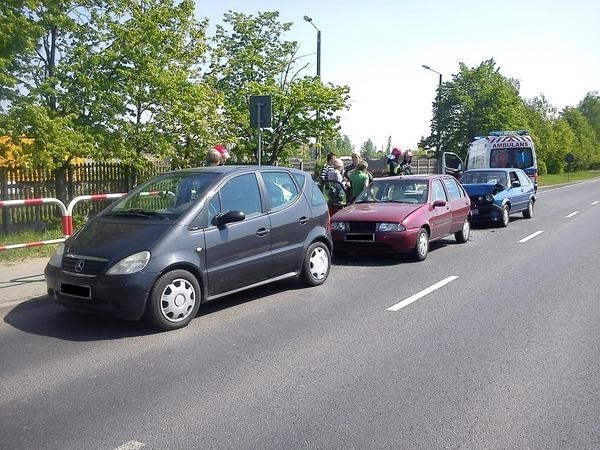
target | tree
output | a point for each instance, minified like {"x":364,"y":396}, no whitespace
{"x":112,"y":79}
{"x":476,"y":101}
{"x":388,"y":146}
{"x":540,"y":117}
{"x":340,"y":145}
{"x":368,"y":150}
{"x":585,"y":149}
{"x":155,"y":100}
{"x":250,"y":57}
{"x":590,"y":108}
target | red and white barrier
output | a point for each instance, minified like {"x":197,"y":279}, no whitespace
{"x":35,"y":202}
{"x":31,"y":244}
{"x":68,"y":215}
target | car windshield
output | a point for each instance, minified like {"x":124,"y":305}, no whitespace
{"x":521,"y":158}
{"x":166,"y":197}
{"x":395,"y":191}
{"x":484,"y":177}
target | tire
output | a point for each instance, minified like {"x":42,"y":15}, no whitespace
{"x":317,"y":264}
{"x":505,"y":217}
{"x":174,"y":300}
{"x":463,"y":235}
{"x":528,"y":213}
{"x":422,"y":246}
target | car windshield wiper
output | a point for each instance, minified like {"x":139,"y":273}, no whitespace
{"x":138,"y":212}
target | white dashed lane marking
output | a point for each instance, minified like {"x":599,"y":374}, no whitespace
{"x":574,"y":213}
{"x":423,"y":293}
{"x":596,"y":202}
{"x":131,"y":445}
{"x":531,"y":236}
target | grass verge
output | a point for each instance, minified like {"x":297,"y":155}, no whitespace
{"x":21,"y":254}
{"x":560,"y":178}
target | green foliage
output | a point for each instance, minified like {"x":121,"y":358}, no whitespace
{"x":590,"y":108}
{"x":368,"y":150}
{"x":251,"y":57}
{"x":476,"y":101}
{"x":340,"y":145}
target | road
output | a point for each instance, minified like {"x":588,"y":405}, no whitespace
{"x":505,"y":355}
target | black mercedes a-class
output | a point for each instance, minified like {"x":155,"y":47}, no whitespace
{"x":190,"y":236}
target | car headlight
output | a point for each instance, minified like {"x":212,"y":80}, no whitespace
{"x":390,"y":226}
{"x":56,"y":258}
{"x":339,"y":226}
{"x":132,"y":264}
{"x":489,"y":198}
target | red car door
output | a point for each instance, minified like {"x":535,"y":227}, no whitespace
{"x":440,"y":218}
{"x":459,"y":203}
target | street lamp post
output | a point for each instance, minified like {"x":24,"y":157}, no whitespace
{"x":439,"y":97}
{"x":309,"y":20}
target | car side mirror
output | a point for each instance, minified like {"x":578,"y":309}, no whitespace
{"x":438,"y":203}
{"x":220,"y":220}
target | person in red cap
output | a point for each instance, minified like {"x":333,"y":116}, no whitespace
{"x":393,"y":164}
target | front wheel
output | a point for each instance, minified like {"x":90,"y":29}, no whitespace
{"x":317,"y":263}
{"x":174,"y":300}
{"x":528,"y":213}
{"x":505,"y":217}
{"x":463,"y":235}
{"x":422,"y":246}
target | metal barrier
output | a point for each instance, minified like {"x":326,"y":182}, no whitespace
{"x":36,"y":202}
{"x":68,"y":215}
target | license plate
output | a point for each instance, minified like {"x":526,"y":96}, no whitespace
{"x":474,"y":212}
{"x":75,"y":290}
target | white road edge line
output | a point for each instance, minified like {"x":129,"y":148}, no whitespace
{"x":531,"y":236}
{"x":596,"y":202}
{"x":131,"y":445}
{"x":574,"y":213}
{"x":423,"y":293}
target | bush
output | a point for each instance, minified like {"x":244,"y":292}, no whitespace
{"x":542,"y":169}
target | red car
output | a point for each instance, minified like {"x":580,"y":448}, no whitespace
{"x":402,"y":215}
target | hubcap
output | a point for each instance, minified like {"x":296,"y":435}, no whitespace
{"x":177,"y":300}
{"x":466,"y":229}
{"x":319,"y":263}
{"x":505,"y":218}
{"x":422,"y":244}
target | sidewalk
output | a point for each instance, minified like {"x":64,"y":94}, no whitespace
{"x":21,"y":281}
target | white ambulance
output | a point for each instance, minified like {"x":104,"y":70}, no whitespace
{"x":504,"y":149}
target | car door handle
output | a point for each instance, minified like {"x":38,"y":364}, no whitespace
{"x":303,"y":220}
{"x":261,"y":232}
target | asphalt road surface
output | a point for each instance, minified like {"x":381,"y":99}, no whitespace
{"x":505,"y":353}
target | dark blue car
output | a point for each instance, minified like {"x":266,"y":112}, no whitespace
{"x":497,"y":193}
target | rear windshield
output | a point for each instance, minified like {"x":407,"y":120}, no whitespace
{"x":166,"y":197}
{"x":521,"y":158}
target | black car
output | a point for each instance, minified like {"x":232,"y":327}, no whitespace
{"x":190,"y":236}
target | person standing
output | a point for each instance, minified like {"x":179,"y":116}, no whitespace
{"x":359,"y":179}
{"x":223,"y":152}
{"x":335,"y":174}
{"x":350,"y":167}
{"x":328,"y":166}
{"x":213,"y":158}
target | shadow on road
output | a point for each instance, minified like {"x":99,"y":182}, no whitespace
{"x":41,"y":316}
{"x":384,"y":259}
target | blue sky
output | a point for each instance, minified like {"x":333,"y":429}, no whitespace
{"x":377,"y":48}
